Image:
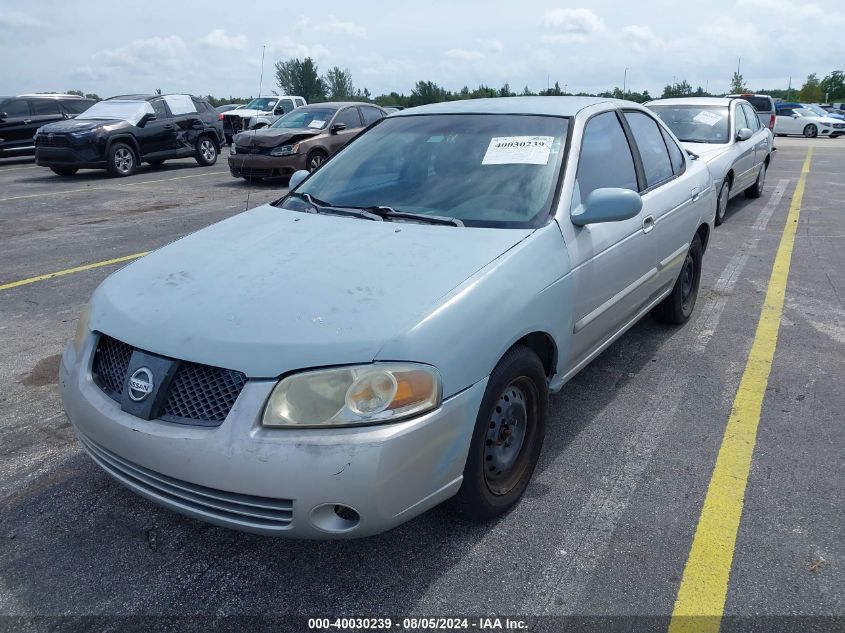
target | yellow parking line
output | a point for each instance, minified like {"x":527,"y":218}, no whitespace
{"x":68,"y":271}
{"x":128,"y":184}
{"x":704,"y":586}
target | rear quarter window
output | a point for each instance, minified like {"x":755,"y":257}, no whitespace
{"x":761,"y":104}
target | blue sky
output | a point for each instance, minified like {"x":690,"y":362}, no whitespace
{"x":215,"y":47}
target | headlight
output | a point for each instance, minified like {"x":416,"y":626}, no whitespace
{"x":362,"y":394}
{"x":82,"y":328}
{"x":285,"y":150}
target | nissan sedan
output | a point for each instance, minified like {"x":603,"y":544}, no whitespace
{"x":726,"y":134}
{"x":384,"y":338}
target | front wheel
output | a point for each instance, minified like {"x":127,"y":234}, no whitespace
{"x":121,"y":160}
{"x":315,"y":159}
{"x":756,"y":190}
{"x":64,"y":171}
{"x":206,"y":152}
{"x":722,"y":202}
{"x":811,"y":131}
{"x":678,"y":306}
{"x":507,"y":439}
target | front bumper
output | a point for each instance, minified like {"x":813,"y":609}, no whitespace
{"x":87,"y":156}
{"x":264,"y":166}
{"x":280,"y":482}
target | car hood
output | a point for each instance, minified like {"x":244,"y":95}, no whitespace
{"x":76,"y":125}
{"x":243,"y":112}
{"x":271,"y":290}
{"x":273,"y":136}
{"x":707,"y":151}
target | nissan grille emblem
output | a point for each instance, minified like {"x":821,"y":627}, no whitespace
{"x":140,"y":384}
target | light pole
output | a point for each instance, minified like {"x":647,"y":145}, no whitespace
{"x":625,"y":82}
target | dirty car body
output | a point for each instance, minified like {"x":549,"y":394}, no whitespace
{"x":318,"y":370}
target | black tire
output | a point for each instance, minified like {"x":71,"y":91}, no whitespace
{"x":677,"y":308}
{"x":205,"y":151}
{"x":722,"y":202}
{"x":756,"y":190}
{"x":811,"y":131}
{"x":316,"y":158}
{"x":156,"y":163}
{"x":513,"y":410}
{"x":121,"y":160}
{"x":65,"y":171}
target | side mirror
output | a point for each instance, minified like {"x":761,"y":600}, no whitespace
{"x":338,"y":127}
{"x":793,"y":115}
{"x":743,"y":134}
{"x":297,"y":177}
{"x":146,"y":119}
{"x":609,"y":204}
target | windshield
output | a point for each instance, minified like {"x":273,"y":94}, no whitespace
{"x":130,"y":111}
{"x":262,"y":103}
{"x":695,"y":123}
{"x":496,"y":170}
{"x":301,"y":118}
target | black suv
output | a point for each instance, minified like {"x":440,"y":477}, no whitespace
{"x":21,"y":116}
{"x":119,"y":133}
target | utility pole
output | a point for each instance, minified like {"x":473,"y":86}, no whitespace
{"x":625,"y":83}
{"x":789,"y":90}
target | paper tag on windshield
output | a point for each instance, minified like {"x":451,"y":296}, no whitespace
{"x":317,"y":124}
{"x":706,"y":117}
{"x":518,"y":150}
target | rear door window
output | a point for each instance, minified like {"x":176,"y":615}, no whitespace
{"x":44,"y":107}
{"x":761,"y":104}
{"x":653,"y":151}
{"x":349,"y":117}
{"x":371,"y":114}
{"x":76,"y":106}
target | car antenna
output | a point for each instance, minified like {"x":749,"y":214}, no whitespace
{"x":260,"y":87}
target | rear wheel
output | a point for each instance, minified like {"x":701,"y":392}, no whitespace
{"x":722,"y":202}
{"x":121,"y":160}
{"x":811,"y":131}
{"x":678,"y":306}
{"x":507,"y":439}
{"x":756,"y":190}
{"x":206,"y":152}
{"x":64,"y":171}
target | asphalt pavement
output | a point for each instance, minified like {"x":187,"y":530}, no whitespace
{"x":606,"y":526}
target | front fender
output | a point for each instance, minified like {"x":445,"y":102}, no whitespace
{"x":524,"y":290}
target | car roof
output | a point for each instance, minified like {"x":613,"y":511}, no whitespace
{"x":336,"y":104}
{"x":49,"y":95}
{"x":549,"y":106}
{"x":149,"y":97}
{"x":711,"y":101}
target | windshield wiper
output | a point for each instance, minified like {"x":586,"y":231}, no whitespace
{"x":320,"y":206}
{"x":389,"y":212}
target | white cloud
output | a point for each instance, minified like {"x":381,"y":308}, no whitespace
{"x":338,"y":27}
{"x":571,"y":25}
{"x":490,"y":45}
{"x":642,"y":38}
{"x":148,"y":56}
{"x":464,"y":55}
{"x":19,"y":20}
{"x":285,"y":47}
{"x":217,"y":38}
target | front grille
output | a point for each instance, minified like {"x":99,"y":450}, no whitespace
{"x":45,"y":140}
{"x":839,"y":126}
{"x":231,"y":508}
{"x":198,"y":394}
{"x":251,"y":172}
{"x":111,"y":362}
{"x":203,"y":393}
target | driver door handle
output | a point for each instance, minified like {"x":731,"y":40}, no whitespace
{"x":695,"y":194}
{"x":648,"y":223}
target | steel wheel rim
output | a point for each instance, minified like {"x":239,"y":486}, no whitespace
{"x":207,"y":150}
{"x":723,"y":201}
{"x":687,"y":280}
{"x":316,"y":161}
{"x":505,"y":456}
{"x":123,"y":160}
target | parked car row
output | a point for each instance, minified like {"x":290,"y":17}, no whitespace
{"x":259,"y":112}
{"x":21,"y":116}
{"x":808,"y":120}
{"x":404,"y":310}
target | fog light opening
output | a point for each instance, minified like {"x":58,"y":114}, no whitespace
{"x":335,"y":517}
